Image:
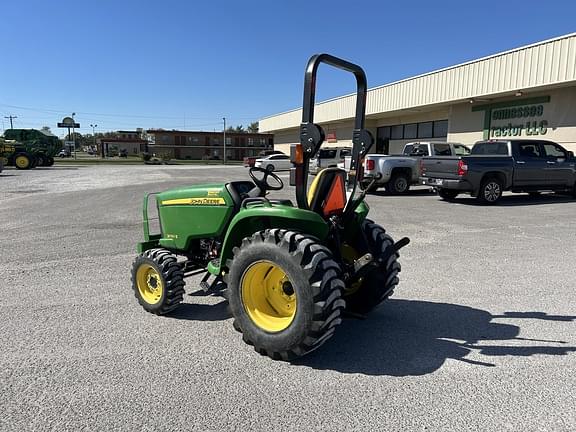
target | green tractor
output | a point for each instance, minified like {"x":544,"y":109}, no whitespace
{"x":32,"y":148}
{"x":17,"y":154}
{"x":289,"y":272}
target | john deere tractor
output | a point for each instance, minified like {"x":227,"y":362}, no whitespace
{"x":289,"y":271}
{"x":31,"y":148}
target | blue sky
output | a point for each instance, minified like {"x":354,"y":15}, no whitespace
{"x":186,"y":64}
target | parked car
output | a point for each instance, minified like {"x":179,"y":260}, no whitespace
{"x":275,"y":162}
{"x":494,"y":166}
{"x":64,"y":153}
{"x":250,"y":160}
{"x":398,"y":173}
{"x":329,"y":157}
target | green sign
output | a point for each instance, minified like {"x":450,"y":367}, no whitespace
{"x":522,"y":113}
{"x":510,"y":113}
{"x":529,"y":128}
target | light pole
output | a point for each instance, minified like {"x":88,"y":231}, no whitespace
{"x":224,"y":118}
{"x":73,"y":134}
{"x":94,"y":126}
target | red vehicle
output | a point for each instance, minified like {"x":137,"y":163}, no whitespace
{"x":249,"y":160}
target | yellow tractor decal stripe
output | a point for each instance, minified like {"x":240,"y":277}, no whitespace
{"x":195,"y":201}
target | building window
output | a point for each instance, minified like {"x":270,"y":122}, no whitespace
{"x":425,"y":130}
{"x":228,"y":141}
{"x":410,"y":130}
{"x":397,"y":132}
{"x":440,"y":128}
{"x":250,"y":142}
{"x":165,"y":139}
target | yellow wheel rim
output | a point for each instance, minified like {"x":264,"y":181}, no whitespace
{"x":150,"y":285}
{"x":349,"y":255}
{"x":22,"y":162}
{"x":268,"y":296}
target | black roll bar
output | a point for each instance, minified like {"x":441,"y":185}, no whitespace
{"x":312,"y":135}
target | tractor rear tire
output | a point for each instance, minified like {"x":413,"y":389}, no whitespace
{"x":158,"y":281}
{"x":284,"y":291}
{"x":41,"y":160}
{"x":378,"y":284}
{"x":23,"y":161}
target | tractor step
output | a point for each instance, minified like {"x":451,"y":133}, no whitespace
{"x":210,"y":284}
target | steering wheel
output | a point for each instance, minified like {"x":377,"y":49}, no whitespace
{"x":263,"y":183}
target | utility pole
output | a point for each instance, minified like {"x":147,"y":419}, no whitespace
{"x":224,"y":118}
{"x":11,"y":117}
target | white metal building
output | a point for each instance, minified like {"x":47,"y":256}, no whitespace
{"x":528,"y":92}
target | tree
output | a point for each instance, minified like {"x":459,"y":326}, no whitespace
{"x":46,"y":130}
{"x":237,"y":129}
{"x":79,"y":139}
{"x":252,"y":127}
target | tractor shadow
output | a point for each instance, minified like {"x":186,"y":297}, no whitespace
{"x":201,"y":312}
{"x":411,"y":338}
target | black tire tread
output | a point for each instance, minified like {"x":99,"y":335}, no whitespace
{"x":381,"y":246}
{"x":172,"y":273}
{"x":324,"y":276}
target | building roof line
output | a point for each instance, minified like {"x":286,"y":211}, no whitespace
{"x":393,"y":83}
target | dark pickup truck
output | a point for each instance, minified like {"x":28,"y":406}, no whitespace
{"x":495,"y":166}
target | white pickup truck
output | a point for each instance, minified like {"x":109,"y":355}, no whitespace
{"x":399,"y":172}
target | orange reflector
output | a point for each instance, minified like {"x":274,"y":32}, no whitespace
{"x":336,"y":199}
{"x":297,"y":154}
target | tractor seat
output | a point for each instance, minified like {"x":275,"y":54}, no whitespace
{"x":327,"y":193}
{"x":239,"y":190}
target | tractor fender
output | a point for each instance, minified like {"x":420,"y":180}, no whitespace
{"x":253,"y":219}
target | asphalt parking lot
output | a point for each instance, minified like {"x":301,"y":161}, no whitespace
{"x":480,"y":334}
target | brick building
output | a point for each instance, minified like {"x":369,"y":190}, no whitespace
{"x":207,"y":145}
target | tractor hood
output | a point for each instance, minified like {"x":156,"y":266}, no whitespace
{"x":206,"y":194}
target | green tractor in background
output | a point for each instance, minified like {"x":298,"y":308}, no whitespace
{"x":29,"y":148}
{"x":288,"y":272}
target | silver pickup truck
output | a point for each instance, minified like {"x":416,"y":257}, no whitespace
{"x":399,"y":172}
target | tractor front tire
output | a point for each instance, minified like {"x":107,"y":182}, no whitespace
{"x":378,"y":284}
{"x":50,"y":161}
{"x":284,"y":291}
{"x":23,"y":161}
{"x":158,"y":281}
